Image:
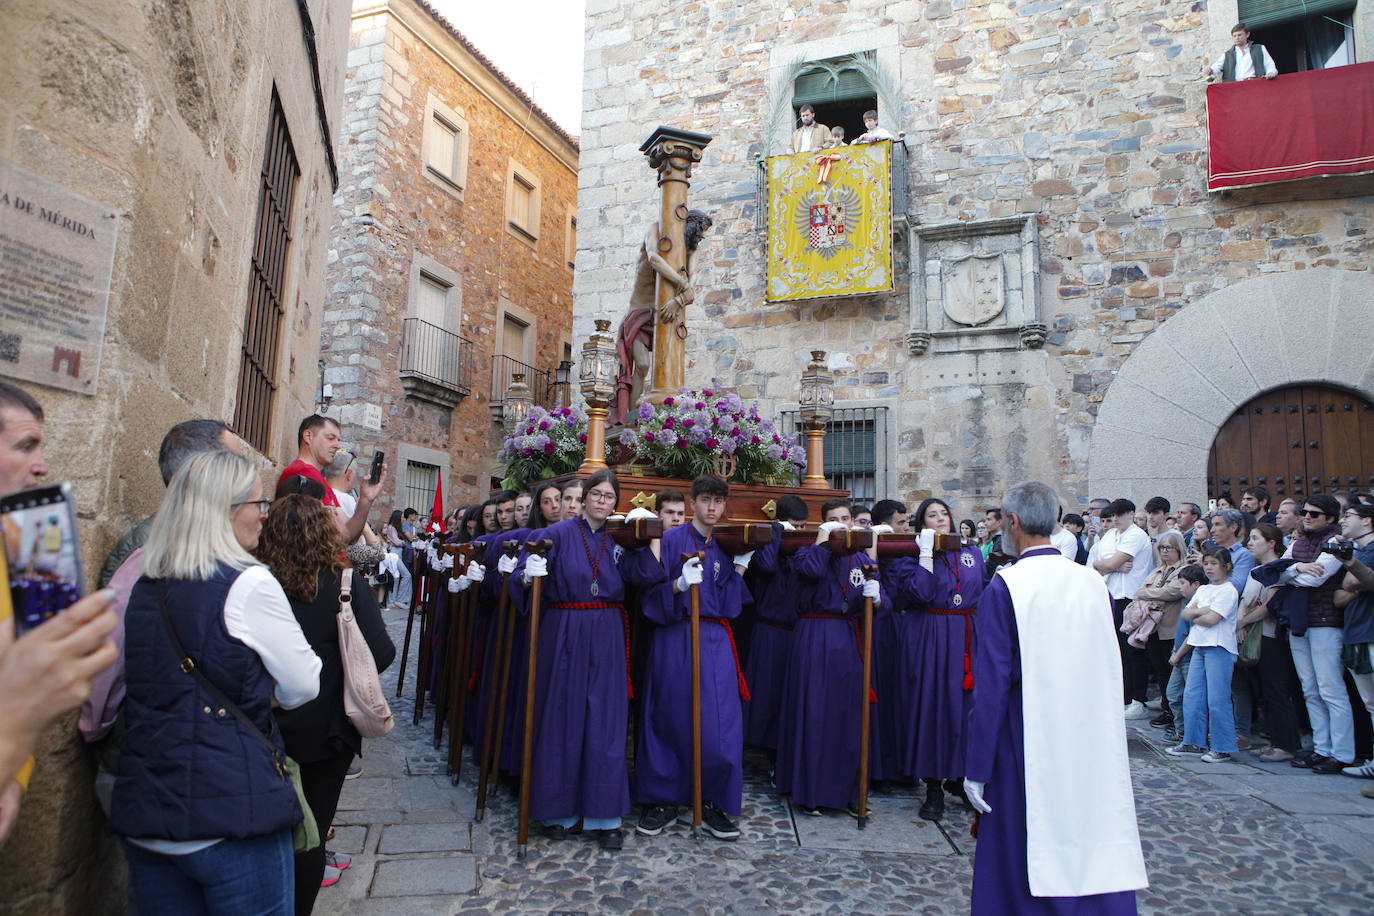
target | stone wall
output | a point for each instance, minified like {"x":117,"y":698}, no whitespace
{"x":159,"y":110}
{"x":392,"y":217}
{"x":1088,"y":118}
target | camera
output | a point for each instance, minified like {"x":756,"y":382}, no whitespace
{"x":1340,"y":548}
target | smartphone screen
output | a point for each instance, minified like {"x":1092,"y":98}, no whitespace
{"x":38,"y":528}
{"x":377,"y":458}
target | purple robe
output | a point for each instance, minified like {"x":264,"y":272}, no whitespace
{"x":818,"y":734}
{"x":887,"y":726}
{"x":932,"y":659}
{"x":775,"y":612}
{"x":581,"y":690}
{"x":996,"y":757}
{"x":663,"y":757}
{"x":488,"y":670}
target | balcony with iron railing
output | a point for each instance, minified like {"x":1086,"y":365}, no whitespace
{"x":436,"y":365}
{"x":548,"y":387}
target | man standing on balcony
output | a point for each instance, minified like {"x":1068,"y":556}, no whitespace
{"x":1242,"y":61}
{"x":811,"y":136}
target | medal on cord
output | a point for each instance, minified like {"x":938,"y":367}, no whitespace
{"x":958,"y":599}
{"x":595,"y":589}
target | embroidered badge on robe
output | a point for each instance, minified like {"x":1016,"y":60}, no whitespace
{"x":856,"y":577}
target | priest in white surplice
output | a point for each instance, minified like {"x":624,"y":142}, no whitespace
{"x":1047,"y":766}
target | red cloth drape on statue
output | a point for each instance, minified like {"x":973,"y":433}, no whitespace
{"x":1298,"y":125}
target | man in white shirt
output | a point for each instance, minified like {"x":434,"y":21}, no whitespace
{"x":1243,"y":60}
{"x":810,"y":136}
{"x":1124,"y":558}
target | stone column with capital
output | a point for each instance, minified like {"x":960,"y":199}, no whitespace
{"x":672,"y":152}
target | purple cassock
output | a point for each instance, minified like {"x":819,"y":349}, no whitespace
{"x":818,"y":734}
{"x":997,"y":757}
{"x":775,"y":614}
{"x":487,"y":672}
{"x":663,"y":758}
{"x":480,"y":650}
{"x":938,"y":637}
{"x":581,"y":688}
{"x":888,"y":726}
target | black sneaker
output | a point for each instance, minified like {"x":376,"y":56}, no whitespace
{"x":654,"y":819}
{"x":559,"y":832}
{"x":1164,"y":720}
{"x":716,"y":823}
{"x":1306,"y":761}
{"x":934,"y":806}
{"x":955,"y":788}
{"x":610,"y":839}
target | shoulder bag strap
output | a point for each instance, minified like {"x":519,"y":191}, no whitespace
{"x":189,"y":667}
{"x":346,"y":590}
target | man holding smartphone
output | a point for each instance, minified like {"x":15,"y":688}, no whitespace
{"x":48,"y":670}
{"x":317,"y":440}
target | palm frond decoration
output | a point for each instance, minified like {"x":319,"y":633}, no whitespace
{"x":884,"y":83}
{"x":780,"y":106}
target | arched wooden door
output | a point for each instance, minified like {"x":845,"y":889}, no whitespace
{"x":1295,"y":441}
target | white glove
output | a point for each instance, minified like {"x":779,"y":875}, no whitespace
{"x":639,"y":512}
{"x":506,"y":564}
{"x":927,"y":541}
{"x":433,"y":556}
{"x":476,"y":572}
{"x":871,"y":589}
{"x":536,"y":567}
{"x":881,"y":529}
{"x":444,"y":562}
{"x":691,"y":574}
{"x":742,"y":561}
{"x":827,"y":527}
{"x":787,"y":525}
{"x":615,"y":518}
{"x":974,"y":791}
{"x":458,"y":584}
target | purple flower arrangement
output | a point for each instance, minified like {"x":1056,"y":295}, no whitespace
{"x":545,"y":444}
{"x":694,"y":432}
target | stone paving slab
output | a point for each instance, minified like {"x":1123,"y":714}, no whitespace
{"x":1315,"y":803}
{"x":349,"y":839}
{"x":414,"y":877}
{"x":894,"y":827}
{"x":405,"y":838}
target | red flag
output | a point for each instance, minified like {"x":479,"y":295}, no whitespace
{"x":436,"y":515}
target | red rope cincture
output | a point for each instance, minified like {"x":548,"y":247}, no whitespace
{"x":624,"y":622}
{"x":734,"y":653}
{"x":967,"y":614}
{"x":858,"y":642}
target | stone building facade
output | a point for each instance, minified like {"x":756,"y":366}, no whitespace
{"x":164,"y":112}
{"x":1065,"y":142}
{"x":451,"y":259}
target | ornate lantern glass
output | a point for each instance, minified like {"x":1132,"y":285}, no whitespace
{"x":817,"y":399}
{"x":515,"y":406}
{"x":599,"y":365}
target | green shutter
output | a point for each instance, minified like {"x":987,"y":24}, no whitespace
{"x":1261,"y":13}
{"x":823,"y":85}
{"x":851,"y":449}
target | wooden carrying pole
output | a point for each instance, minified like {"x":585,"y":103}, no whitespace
{"x":694,"y":593}
{"x":450,"y":650}
{"x":865,"y":702}
{"x":424,"y":660}
{"x":522,"y":836}
{"x":464,"y":614}
{"x":499,"y":668}
{"x":405,"y":651}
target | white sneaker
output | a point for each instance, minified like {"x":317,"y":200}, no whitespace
{"x":1136,"y":710}
{"x":1360,"y":772}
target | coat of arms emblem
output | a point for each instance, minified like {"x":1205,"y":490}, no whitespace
{"x":826,"y":219}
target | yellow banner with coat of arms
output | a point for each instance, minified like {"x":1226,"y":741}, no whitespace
{"x":830,"y":222}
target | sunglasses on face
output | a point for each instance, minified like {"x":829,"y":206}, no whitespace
{"x":1312,"y":513}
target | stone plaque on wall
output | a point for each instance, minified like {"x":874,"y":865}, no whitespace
{"x":976,"y":287}
{"x":56,"y":254}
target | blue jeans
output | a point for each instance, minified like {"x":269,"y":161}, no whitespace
{"x":1317,"y":656}
{"x":1179,"y":678}
{"x":1207,"y":700}
{"x":400,"y":592}
{"x":250,"y":877}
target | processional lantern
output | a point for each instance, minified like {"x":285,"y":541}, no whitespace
{"x":817,"y":400}
{"x":515,"y":406}
{"x":600,"y":363}
{"x":562,"y":377}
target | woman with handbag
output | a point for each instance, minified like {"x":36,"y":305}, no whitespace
{"x":204,"y":801}
{"x":1162,"y":588}
{"x":306,"y":555}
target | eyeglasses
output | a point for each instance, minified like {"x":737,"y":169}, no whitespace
{"x":262,"y":504}
{"x":1312,"y":513}
{"x":601,"y":496}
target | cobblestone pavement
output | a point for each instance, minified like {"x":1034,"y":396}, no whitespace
{"x":1245,"y":837}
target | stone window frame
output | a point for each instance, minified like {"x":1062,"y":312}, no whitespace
{"x":423,"y":266}
{"x":885,"y":437}
{"x":405,"y":454}
{"x":528,"y":229}
{"x":525,"y":317}
{"x":439,"y":116}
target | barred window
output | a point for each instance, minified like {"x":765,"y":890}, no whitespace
{"x":855,"y":450}
{"x":420,"y":481}
{"x":258,"y":368}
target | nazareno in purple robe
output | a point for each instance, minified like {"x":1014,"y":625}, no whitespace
{"x":818,"y":734}
{"x":582,"y":688}
{"x":775,"y":614}
{"x":996,"y":757}
{"x":888,"y":727}
{"x":935,"y":703}
{"x":488,"y":671}
{"x":663,"y":756}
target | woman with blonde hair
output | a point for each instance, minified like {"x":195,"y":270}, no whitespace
{"x":202,"y":801}
{"x":1163,"y":589}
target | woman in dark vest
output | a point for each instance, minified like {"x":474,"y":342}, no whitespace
{"x":205,"y":811}
{"x":301,"y":545}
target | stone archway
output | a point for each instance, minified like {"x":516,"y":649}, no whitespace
{"x":1162,"y":411}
